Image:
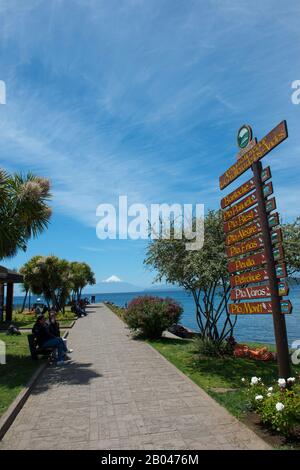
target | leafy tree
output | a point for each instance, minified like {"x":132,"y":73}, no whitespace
{"x":81,"y":275}
{"x":291,"y":245}
{"x":24,"y":210}
{"x":203,"y":273}
{"x":48,"y":276}
{"x":56,"y":278}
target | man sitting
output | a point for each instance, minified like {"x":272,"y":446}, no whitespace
{"x":46,"y":339}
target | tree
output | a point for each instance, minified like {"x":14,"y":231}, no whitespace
{"x":81,"y":275}
{"x":24,"y":210}
{"x":291,"y":245}
{"x":48,"y":276}
{"x":56,"y":278}
{"x":203,"y":273}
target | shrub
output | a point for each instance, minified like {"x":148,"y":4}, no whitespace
{"x":278,"y":406}
{"x":150,"y":316}
{"x":212,"y":348}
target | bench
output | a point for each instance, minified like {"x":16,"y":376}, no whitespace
{"x":35,"y":350}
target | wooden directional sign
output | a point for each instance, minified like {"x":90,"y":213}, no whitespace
{"x":276,"y":236}
{"x":243,"y":264}
{"x":278,"y":252}
{"x":286,"y":306}
{"x":241,"y":219}
{"x":246,"y":217}
{"x":244,"y":189}
{"x":270,"y":204}
{"x":246,"y":203}
{"x":253,"y":244}
{"x":252,"y":261}
{"x":253,"y":308}
{"x":281,"y":270}
{"x":259,"y":275}
{"x":257,"y":292}
{"x":283,"y":288}
{"x":242,"y":233}
{"x":262,"y":148}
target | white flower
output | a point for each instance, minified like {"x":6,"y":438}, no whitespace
{"x":269,"y":394}
{"x":270,"y":389}
{"x":279,"y":406}
{"x":291,"y":380}
{"x":281,"y":383}
{"x":259,"y":397}
{"x":243,"y":380}
{"x":254,"y":381}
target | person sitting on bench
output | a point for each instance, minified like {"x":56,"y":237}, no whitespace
{"x":55,"y":329}
{"x":45,"y":339}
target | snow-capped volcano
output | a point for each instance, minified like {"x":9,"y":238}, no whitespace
{"x":112,"y":278}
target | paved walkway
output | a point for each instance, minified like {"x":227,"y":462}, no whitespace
{"x":118,"y":393}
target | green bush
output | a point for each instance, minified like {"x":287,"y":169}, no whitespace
{"x":150,"y":316}
{"x":278,"y":406}
{"x":208,"y":347}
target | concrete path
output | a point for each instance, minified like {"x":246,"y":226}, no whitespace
{"x":118,"y":393}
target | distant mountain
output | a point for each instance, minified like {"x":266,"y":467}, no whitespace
{"x":163,"y":287}
{"x":112,"y":285}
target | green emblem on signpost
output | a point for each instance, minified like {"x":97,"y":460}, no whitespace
{"x":244,"y":136}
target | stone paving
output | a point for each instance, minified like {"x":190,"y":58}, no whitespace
{"x":118,"y":393}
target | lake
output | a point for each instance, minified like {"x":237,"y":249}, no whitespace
{"x":256,"y":328}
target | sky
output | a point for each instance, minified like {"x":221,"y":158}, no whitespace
{"x":142,"y":98}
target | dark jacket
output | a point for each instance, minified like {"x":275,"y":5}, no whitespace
{"x":54,"y":329}
{"x":42,"y":333}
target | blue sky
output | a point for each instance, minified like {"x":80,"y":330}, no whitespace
{"x":144,"y":99}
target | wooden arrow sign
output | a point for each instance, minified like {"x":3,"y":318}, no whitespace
{"x":242,"y":233}
{"x":257,"y":292}
{"x":268,"y":143}
{"x":270,"y":204}
{"x":253,"y":308}
{"x":240,"y":220}
{"x":276,"y":236}
{"x":252,"y":261}
{"x":246,"y":203}
{"x":244,"y":189}
{"x":286,"y":306}
{"x":246,"y":217}
{"x":281,"y":270}
{"x":243,"y":264}
{"x":278,"y":252}
{"x":283,"y":288}
{"x":259,"y":275}
{"x":253,"y":244}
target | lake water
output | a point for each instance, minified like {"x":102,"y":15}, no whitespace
{"x":256,"y":328}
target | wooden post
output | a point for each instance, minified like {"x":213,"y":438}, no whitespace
{"x":9,"y":301}
{"x":278,"y":318}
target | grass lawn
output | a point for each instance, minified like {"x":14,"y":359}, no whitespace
{"x":219,"y":377}
{"x":18,"y":369}
{"x":27,"y":320}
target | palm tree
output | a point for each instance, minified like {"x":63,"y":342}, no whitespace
{"x":24,"y":210}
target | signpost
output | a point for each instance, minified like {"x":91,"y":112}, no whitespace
{"x":253,"y":243}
